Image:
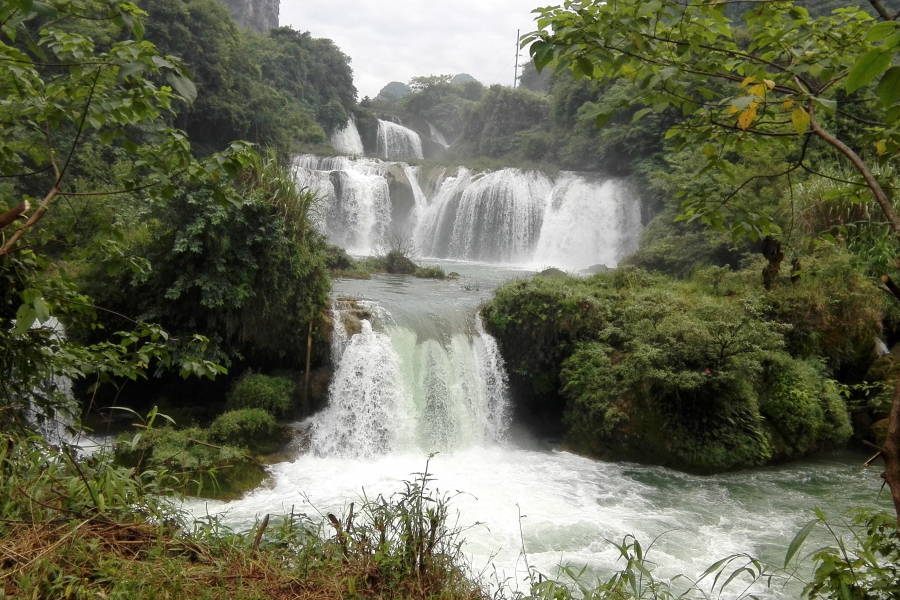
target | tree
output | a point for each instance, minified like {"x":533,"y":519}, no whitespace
{"x":61,"y":90}
{"x":781,"y":79}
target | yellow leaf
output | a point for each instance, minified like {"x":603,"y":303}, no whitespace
{"x":788,"y":103}
{"x":732,"y":109}
{"x":809,"y":53}
{"x":748,"y":81}
{"x":745,"y":120}
{"x":759,"y":90}
{"x":709,"y":150}
{"x":880,"y":147}
{"x":800,"y":119}
{"x":769,"y":83}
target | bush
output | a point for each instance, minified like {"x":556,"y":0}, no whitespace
{"x":271,"y":394}
{"x":202,"y":469}
{"x":250,"y":428}
{"x":431,"y":273}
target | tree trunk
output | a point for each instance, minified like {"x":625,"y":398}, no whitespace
{"x":306,"y":409}
{"x":891,"y":453}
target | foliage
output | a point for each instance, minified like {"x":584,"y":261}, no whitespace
{"x":275,"y":90}
{"x":492,"y":124}
{"x":271,"y":394}
{"x":250,"y":277}
{"x":195,"y":466}
{"x":864,"y":567}
{"x":250,"y":428}
{"x":704,"y":374}
{"x":737,"y":98}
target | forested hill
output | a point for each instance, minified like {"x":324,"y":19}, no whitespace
{"x":276,"y":89}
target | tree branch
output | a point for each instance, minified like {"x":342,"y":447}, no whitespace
{"x":863,"y":169}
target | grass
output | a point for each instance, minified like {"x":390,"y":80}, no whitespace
{"x":86,"y":528}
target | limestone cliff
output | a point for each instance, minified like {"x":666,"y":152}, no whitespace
{"x":258,"y":15}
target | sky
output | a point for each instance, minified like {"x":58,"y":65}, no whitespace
{"x":395,"y":40}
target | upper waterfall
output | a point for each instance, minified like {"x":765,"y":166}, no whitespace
{"x":347,"y":139}
{"x":508,"y":216}
{"x":396,"y":142}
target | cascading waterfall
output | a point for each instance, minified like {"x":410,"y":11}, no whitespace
{"x":498,"y":217}
{"x":355,"y":210}
{"x":394,"y":391}
{"x":347,"y":139}
{"x":588,"y":222}
{"x":396,"y":142}
{"x":506,"y":216}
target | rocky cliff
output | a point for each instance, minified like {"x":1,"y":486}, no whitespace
{"x":258,"y":15}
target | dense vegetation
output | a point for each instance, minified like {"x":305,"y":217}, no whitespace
{"x":162,"y":261}
{"x":704,"y":374}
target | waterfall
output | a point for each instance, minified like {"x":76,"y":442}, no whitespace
{"x":496,"y":218}
{"x":347,"y":139}
{"x":437,"y":136}
{"x":588,"y":222}
{"x":396,"y":142}
{"x":394,"y":391}
{"x":506,"y":216}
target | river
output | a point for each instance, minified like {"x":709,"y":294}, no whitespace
{"x":424,"y":378}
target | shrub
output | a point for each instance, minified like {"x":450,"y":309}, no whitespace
{"x":803,"y":410}
{"x":271,"y":394}
{"x":250,"y":428}
{"x":431,"y":273}
{"x":201,"y":469}
{"x":707,"y":374}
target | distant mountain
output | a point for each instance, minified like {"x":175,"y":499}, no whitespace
{"x":462,"y":78}
{"x":393,"y":91}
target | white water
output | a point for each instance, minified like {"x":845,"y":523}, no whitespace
{"x":396,"y":142}
{"x":437,"y":136}
{"x":507,"y":216}
{"x":424,"y":377}
{"x":347,"y":139}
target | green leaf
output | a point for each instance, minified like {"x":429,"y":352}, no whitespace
{"x":828,"y":105}
{"x":889,"y":87}
{"x":132,"y":68}
{"x":25,"y":318}
{"x":798,"y":540}
{"x":881,"y":30}
{"x":42,"y":313}
{"x":637,"y":116}
{"x":872,"y":64}
{"x":184,"y":86}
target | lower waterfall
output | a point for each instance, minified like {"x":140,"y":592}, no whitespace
{"x":395,"y":391}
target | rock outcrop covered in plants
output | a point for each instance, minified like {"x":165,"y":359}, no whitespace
{"x":258,"y":15}
{"x":706,"y":374}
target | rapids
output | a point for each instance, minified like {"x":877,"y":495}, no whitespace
{"x":424,"y":377}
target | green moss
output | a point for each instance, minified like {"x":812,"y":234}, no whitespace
{"x":431,"y":273}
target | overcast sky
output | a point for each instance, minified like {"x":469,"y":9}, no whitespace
{"x":395,"y":40}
